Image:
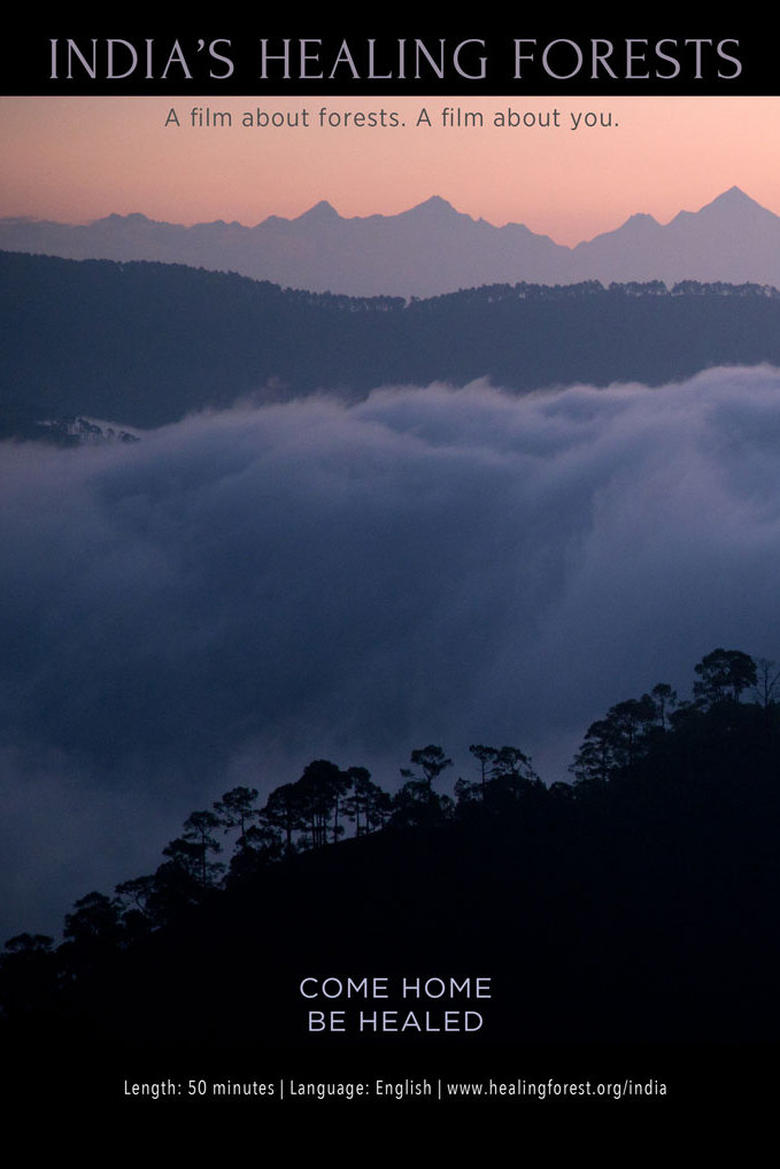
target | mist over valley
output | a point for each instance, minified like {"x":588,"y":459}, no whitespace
{"x":246,"y":589}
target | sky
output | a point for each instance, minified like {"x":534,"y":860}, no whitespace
{"x":78,"y":159}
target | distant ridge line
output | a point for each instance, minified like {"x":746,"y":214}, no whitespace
{"x":430,"y":249}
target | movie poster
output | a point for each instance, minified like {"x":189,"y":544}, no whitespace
{"x":390,"y":534}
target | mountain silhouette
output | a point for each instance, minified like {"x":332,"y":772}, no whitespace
{"x":733,"y":238}
{"x":429,"y":249}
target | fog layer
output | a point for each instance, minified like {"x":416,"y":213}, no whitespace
{"x":243,"y":592}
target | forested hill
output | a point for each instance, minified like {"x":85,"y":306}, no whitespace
{"x":636,"y":904}
{"x":142,"y":344}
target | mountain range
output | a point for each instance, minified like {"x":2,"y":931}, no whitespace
{"x":430,"y":249}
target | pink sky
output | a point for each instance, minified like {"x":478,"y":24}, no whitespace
{"x":77,"y":159}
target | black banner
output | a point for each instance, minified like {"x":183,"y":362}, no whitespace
{"x":705,"y":55}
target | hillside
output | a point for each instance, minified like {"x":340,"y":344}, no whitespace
{"x":634,"y":905}
{"x":142,"y":344}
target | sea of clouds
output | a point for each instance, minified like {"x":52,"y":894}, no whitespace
{"x":242,"y":592}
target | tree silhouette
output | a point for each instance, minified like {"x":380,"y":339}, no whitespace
{"x":136,"y":897}
{"x":416,"y":803}
{"x":723,"y":675}
{"x":177,"y":882}
{"x":665,"y":699}
{"x":486,"y":757}
{"x":369,"y":806}
{"x":767,"y":677}
{"x":260,"y":846}
{"x":511,"y":778}
{"x":198,"y":829}
{"x":431,"y":760}
{"x":237,"y":809}
{"x":92,"y":932}
{"x":319,"y":791}
{"x":614,"y":743}
{"x":95,"y":920}
{"x":285,"y":811}
{"x":504,"y":772}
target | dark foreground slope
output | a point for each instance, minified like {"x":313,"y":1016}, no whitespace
{"x":618,"y":935}
{"x":634,"y":911}
{"x":142,"y":344}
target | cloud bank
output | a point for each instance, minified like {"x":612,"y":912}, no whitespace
{"x":243,"y":592}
